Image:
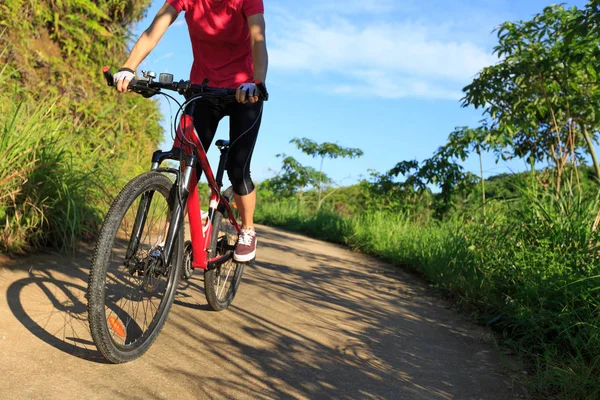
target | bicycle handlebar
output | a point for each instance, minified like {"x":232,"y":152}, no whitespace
{"x":148,"y":88}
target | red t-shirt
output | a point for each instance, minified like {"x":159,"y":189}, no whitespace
{"x":220,"y":39}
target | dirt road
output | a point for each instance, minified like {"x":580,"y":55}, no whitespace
{"x":311,"y":320}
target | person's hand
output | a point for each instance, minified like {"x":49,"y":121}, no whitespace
{"x":247,"y":92}
{"x":122,"y":79}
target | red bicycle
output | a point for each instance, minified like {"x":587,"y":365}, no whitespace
{"x":141,"y":251}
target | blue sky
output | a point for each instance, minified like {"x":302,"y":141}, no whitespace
{"x":381,"y":75}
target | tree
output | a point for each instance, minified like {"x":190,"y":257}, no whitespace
{"x":387,"y":193}
{"x":440,"y":170}
{"x":465,"y":140}
{"x":539,"y":97}
{"x":588,"y":22}
{"x":294,"y":177}
{"x":324,"y":150}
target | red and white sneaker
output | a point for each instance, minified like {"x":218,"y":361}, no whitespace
{"x":245,"y":250}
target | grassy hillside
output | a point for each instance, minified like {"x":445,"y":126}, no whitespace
{"x":67,"y":141}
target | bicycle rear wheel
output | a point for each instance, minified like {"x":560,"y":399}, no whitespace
{"x":130,"y":290}
{"x":221,"y":284}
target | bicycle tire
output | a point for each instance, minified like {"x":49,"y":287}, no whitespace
{"x":100,"y":288}
{"x":219,"y":298}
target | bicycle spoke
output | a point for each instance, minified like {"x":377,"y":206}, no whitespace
{"x":224,"y":283}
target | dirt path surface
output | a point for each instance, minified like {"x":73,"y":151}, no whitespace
{"x":311,"y":320}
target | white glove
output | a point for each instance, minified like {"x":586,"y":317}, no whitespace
{"x":123,"y":75}
{"x":122,"y":79}
{"x":247,"y":92}
{"x":249,"y":89}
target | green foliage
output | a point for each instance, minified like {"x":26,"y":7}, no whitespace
{"x":293,"y":177}
{"x":384,"y":192}
{"x":440,"y":170}
{"x":588,"y":22}
{"x":540,"y":108}
{"x":296,"y":177}
{"x":67,"y":146}
{"x":44,"y":200}
{"x":325,"y":150}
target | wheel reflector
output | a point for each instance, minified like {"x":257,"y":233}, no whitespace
{"x":117,"y":327}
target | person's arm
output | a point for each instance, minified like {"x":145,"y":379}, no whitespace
{"x":259,"y":46}
{"x":260,"y":57}
{"x":148,"y":40}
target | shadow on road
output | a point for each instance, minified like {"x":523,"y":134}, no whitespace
{"x":349,"y":331}
{"x":305,"y":324}
{"x":51,"y":304}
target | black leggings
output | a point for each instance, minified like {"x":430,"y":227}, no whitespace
{"x":244,"y":123}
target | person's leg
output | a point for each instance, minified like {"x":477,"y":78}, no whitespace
{"x":245,"y":122}
{"x":246,"y":206}
{"x":206,"y":121}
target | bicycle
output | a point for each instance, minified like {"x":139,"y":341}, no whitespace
{"x":141,"y":254}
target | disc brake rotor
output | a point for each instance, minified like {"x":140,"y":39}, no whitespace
{"x":153,"y":270}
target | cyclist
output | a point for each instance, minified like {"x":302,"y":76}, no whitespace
{"x":229,"y":49}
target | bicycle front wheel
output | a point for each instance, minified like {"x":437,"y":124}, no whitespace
{"x":130,"y":289}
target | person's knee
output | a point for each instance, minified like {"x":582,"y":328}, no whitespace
{"x":241,"y":183}
{"x":244,"y":189}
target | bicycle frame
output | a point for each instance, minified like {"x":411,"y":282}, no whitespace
{"x":188,"y":143}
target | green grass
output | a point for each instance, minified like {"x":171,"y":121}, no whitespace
{"x":57,"y":176}
{"x":532,"y":273}
{"x":68,"y":143}
{"x":45,"y":195}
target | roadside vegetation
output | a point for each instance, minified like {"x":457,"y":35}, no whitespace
{"x":67,"y":143}
{"x":520,"y":252}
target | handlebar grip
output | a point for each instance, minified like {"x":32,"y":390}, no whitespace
{"x":109,"y":76}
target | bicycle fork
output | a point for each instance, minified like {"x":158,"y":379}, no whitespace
{"x":179,"y":195}
{"x":138,"y":226}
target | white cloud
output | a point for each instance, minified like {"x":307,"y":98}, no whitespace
{"x":168,"y":55}
{"x":400,"y":59}
{"x":356,"y":6}
{"x":380,"y":84}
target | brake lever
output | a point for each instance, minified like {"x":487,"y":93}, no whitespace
{"x":145,"y":91}
{"x":141,"y":86}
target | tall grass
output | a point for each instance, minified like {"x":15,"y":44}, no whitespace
{"x":533,"y":273}
{"x":43,"y":196}
{"x":58,"y":174}
{"x":68,"y":143}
